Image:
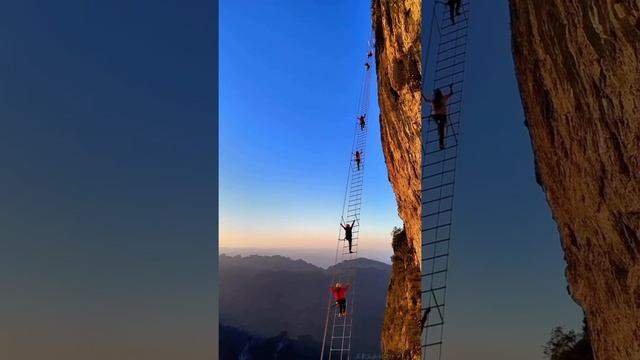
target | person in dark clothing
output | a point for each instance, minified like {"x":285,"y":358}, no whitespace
{"x":439,"y":111}
{"x":367,"y":66}
{"x":358,"y":159}
{"x":338,"y":293}
{"x":361,"y":119}
{"x":348,"y":233}
{"x":370,"y":54}
{"x":454,"y":7}
{"x":425,"y":316}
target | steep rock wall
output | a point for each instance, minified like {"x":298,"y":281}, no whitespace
{"x":397,"y":25}
{"x":578,"y":68}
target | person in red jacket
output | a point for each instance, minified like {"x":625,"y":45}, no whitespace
{"x":361,"y":120}
{"x":338,"y":293}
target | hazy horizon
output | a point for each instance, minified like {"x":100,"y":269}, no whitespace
{"x":321,"y":257}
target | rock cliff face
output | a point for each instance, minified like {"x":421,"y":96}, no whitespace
{"x":398,"y":62}
{"x":578,"y":67}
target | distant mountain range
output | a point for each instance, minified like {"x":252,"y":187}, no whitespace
{"x":239,"y":345}
{"x":263,"y":296}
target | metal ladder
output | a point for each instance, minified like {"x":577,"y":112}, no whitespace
{"x":336,"y":343}
{"x":438,"y":174}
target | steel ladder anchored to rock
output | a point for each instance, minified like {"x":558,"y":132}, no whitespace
{"x":439,"y":170}
{"x":336,"y":342}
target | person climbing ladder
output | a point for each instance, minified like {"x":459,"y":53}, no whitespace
{"x":348,"y":233}
{"x":425,"y":316}
{"x":358,"y":159}
{"x":337,"y":336}
{"x":439,"y":111}
{"x":454,"y":7}
{"x":338,"y":293}
{"x":361,"y":120}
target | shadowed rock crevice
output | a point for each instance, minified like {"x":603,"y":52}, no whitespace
{"x":401,"y":340}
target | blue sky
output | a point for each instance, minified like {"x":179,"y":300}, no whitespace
{"x":108,"y":180}
{"x":289,"y":88}
{"x":289,"y":76}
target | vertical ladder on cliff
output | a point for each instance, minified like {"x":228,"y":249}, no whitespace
{"x":336,"y":342}
{"x":438,"y":172}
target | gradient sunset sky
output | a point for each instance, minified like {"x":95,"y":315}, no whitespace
{"x":289,"y":84}
{"x":289,"y":77}
{"x":108,"y":148}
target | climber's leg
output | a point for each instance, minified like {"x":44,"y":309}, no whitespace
{"x":425,"y":317}
{"x":451,"y":14}
{"x":341,"y":304}
{"x":441,"y":120}
{"x":442,"y":131}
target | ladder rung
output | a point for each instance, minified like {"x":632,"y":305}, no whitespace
{"x":454,"y":31}
{"x":454,"y":83}
{"x":439,"y":212}
{"x":433,"y":307}
{"x":440,"y":173}
{"x":432,"y":344}
{"x":456,"y":46}
{"x":439,"y":199}
{"x":441,"y":161}
{"x":434,"y":324}
{"x":450,"y":75}
{"x":433,"y":273}
{"x":449,"y":66}
{"x":464,"y":13}
{"x":451,"y":57}
{"x":435,"y":129}
{"x":464,"y":34}
{"x":450,"y":114}
{"x":437,"y":227}
{"x":437,"y":186}
{"x":446,"y":137}
{"x":445,"y":148}
{"x":433,"y":289}
{"x":435,"y":242}
{"x":455,"y":102}
{"x":434,"y":257}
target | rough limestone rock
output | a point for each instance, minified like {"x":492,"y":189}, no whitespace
{"x":578,"y":67}
{"x":397,"y":25}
